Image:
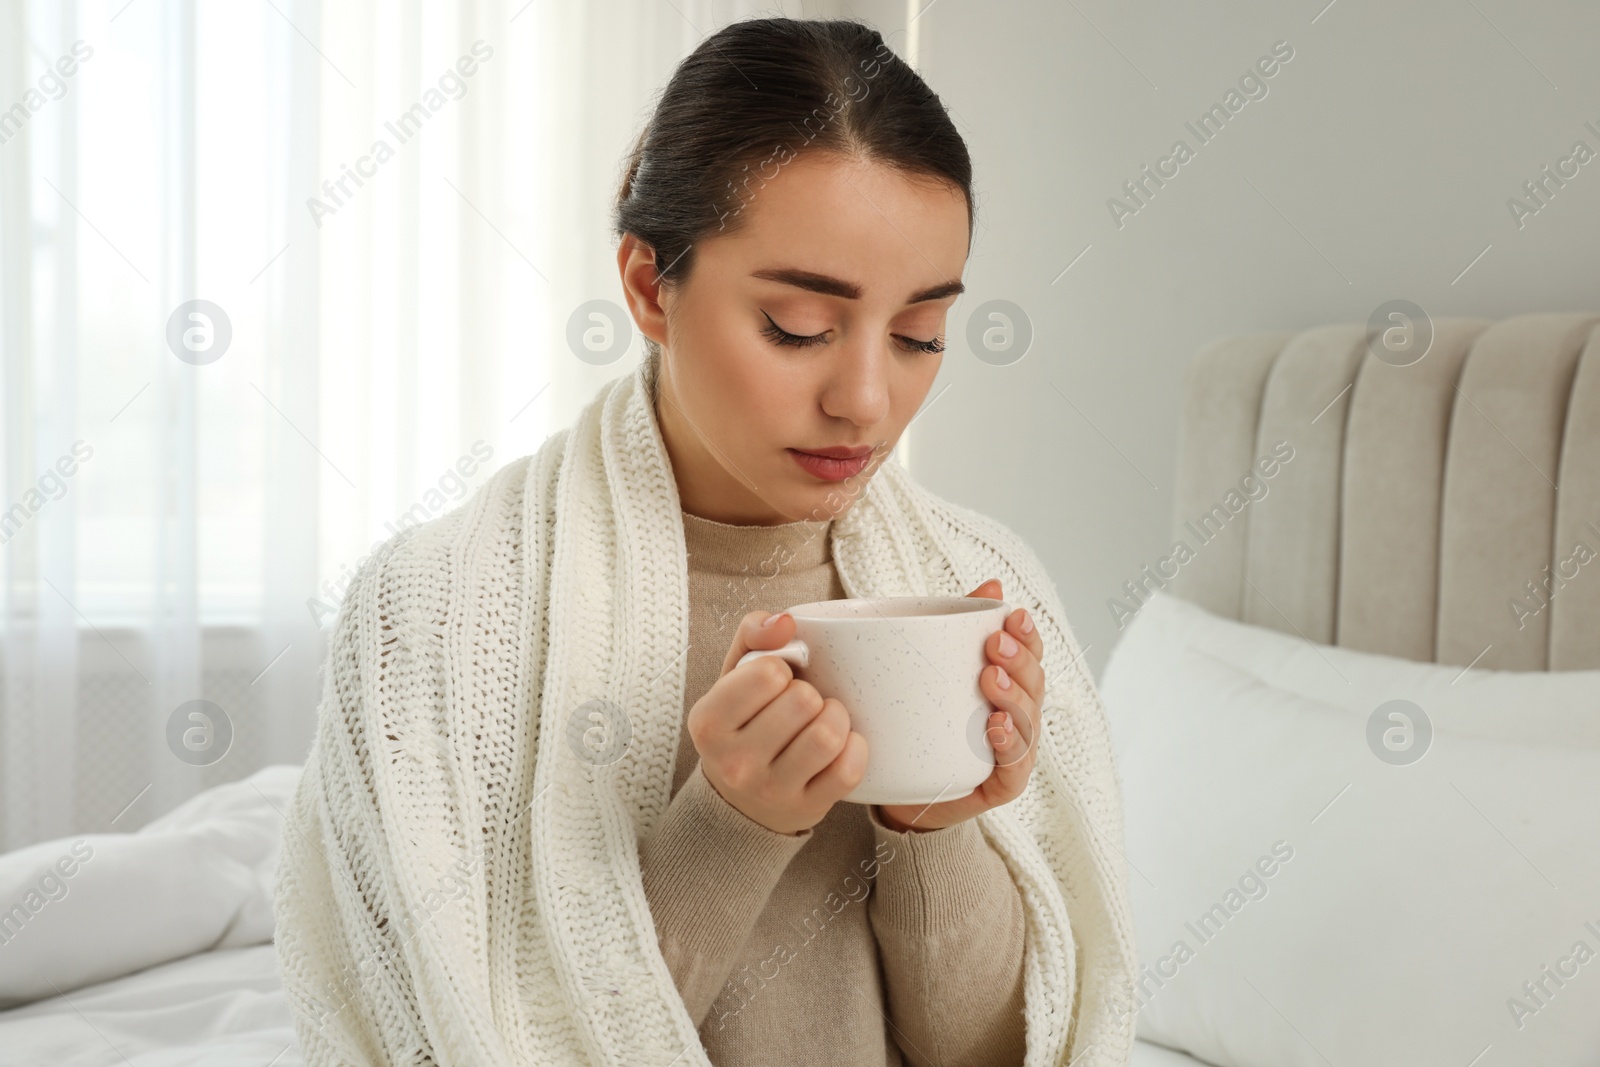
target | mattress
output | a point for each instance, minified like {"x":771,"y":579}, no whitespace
{"x":213,"y":1009}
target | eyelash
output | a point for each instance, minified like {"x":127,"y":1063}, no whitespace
{"x":778,"y":335}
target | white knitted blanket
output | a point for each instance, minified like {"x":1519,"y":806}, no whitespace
{"x":459,"y":882}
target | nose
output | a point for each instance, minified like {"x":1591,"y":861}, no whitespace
{"x":858,"y":386}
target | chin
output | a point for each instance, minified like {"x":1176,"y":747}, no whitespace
{"x":832,"y":501}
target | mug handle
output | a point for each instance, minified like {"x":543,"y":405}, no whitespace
{"x":797,"y":652}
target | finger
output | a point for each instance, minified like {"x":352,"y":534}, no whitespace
{"x":774,"y":728}
{"x":1021,"y":711}
{"x":1019,"y":660}
{"x":1013,"y":761}
{"x":846,"y":771}
{"x":820,"y":740}
{"x":1023,"y":627}
{"x":759,"y":629}
{"x":989,"y":590}
{"x":737,"y":698}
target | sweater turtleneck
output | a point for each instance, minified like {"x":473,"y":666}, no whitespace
{"x":729,"y":549}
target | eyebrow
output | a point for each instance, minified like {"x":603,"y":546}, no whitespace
{"x":829,"y":286}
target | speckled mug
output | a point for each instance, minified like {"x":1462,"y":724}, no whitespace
{"x":906,"y":669}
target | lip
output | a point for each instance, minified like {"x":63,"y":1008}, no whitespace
{"x":837,"y":451}
{"x":831,"y":468}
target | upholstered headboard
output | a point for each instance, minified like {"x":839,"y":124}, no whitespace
{"x":1447,"y":510}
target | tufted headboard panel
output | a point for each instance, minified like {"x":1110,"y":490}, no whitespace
{"x":1447,"y":510}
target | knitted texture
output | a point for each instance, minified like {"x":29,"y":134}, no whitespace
{"x":459,"y":881}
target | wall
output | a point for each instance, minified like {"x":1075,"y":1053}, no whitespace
{"x":1378,"y":165}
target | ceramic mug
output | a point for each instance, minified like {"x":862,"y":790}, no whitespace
{"x":907,"y":670}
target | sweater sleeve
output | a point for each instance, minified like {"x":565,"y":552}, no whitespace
{"x":708,"y":870}
{"x":950,"y":925}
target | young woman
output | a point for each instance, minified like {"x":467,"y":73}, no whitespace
{"x":547,"y":819}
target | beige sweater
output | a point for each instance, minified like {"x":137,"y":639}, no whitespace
{"x":849,"y":944}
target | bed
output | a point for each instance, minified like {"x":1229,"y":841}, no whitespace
{"x":1422,"y":496}
{"x":1356,"y":702}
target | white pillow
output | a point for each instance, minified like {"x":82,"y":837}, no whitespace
{"x":92,"y":907}
{"x":1362,"y":913}
{"x":1147,"y":1055}
{"x":1554,"y":707}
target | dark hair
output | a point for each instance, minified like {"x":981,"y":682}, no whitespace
{"x":751,"y":98}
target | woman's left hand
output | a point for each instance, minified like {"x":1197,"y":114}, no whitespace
{"x":1014,"y":683}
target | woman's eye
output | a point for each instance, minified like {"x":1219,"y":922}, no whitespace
{"x":783,"y":337}
{"x":780,"y":336}
{"x":935,"y":345}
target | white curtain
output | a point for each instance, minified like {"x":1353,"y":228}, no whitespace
{"x":277,"y":277}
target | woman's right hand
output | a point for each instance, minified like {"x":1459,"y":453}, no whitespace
{"x":768,"y":741}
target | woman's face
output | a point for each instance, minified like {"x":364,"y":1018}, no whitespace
{"x":816,"y":325}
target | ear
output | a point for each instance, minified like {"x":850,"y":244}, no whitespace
{"x":641,"y":285}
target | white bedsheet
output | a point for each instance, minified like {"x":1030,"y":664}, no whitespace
{"x":213,"y":1009}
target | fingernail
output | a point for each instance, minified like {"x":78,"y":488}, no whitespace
{"x":1003,"y":680}
{"x":770,"y":619}
{"x":1027,"y":623}
{"x":1010,"y":726}
{"x":1008,"y":645}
